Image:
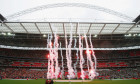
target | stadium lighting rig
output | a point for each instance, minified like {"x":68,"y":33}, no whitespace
{"x":44,"y":35}
{"x":3,"y":33}
{"x":7,"y":34}
{"x":95,"y":35}
{"x":10,"y":34}
{"x":131,"y":35}
{"x":128,"y":35}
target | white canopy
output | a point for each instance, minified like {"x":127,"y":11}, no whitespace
{"x":65,"y":27}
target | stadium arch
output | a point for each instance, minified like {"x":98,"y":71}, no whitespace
{"x":83,"y":5}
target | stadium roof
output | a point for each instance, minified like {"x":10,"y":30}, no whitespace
{"x":65,"y":28}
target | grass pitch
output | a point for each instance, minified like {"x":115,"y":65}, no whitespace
{"x":42,"y":81}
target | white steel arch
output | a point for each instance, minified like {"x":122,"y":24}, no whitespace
{"x":109,"y":11}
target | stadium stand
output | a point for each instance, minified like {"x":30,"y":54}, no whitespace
{"x":112,"y":64}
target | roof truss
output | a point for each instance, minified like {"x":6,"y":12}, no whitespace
{"x":93,"y":28}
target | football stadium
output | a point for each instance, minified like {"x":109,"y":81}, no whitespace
{"x":81,"y":50}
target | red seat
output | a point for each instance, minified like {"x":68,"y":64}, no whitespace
{"x":27,"y":62}
{"x":15,"y":65}
{"x":37,"y":63}
{"x":102,"y":66}
{"x":123,"y":65}
{"x":113,"y":65}
{"x":26,"y":65}
{"x":16,"y":62}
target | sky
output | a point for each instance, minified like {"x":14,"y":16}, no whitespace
{"x":128,"y":7}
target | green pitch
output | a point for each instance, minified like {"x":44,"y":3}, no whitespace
{"x":42,"y":81}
